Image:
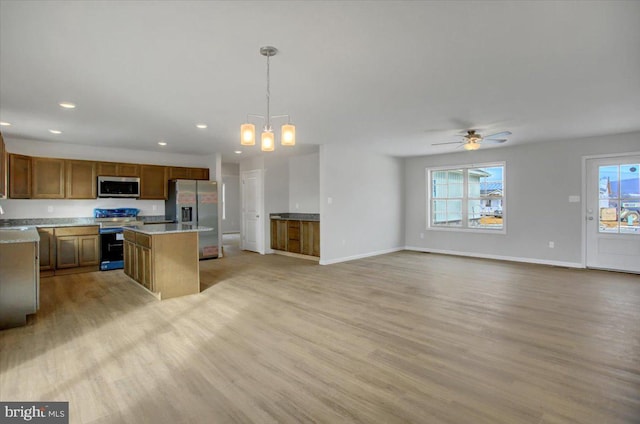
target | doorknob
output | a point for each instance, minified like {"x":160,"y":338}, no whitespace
{"x":590,"y":218}
{"x":257,"y":216}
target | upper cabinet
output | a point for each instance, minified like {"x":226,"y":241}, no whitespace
{"x":3,"y":169}
{"x":153,"y":182}
{"x":47,"y":178}
{"x":180,"y":172}
{"x":19,"y":176}
{"x":114,"y":169}
{"x":81,"y":179}
{"x":51,"y":178}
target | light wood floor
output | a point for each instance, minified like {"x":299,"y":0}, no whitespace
{"x":404,"y":337}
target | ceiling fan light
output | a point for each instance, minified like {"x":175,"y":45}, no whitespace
{"x":288,"y":135}
{"x":267,"y":141}
{"x":248,"y":134}
{"x":472,"y":145}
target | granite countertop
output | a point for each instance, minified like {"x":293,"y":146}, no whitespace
{"x":71,"y":222}
{"x":152,"y":229}
{"x":19,"y":235}
{"x":287,"y":216}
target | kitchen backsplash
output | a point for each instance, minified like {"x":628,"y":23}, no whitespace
{"x":61,"y":208}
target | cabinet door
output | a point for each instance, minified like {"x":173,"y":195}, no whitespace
{"x":67,"y":252}
{"x":199,"y":173}
{"x":88,"y":250}
{"x":81,"y":180}
{"x":47,"y":249}
{"x":3,"y":169}
{"x":108,"y":169}
{"x":19,"y":177}
{"x":47,"y":177}
{"x":176,"y":172}
{"x":310,"y":238}
{"x":129,"y":258}
{"x":278,"y":234}
{"x":144,"y":263}
{"x":128,"y":170}
{"x":153,"y":182}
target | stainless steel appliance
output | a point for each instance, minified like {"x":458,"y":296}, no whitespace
{"x":196,"y":202}
{"x":118,"y":186}
{"x":112,"y":222}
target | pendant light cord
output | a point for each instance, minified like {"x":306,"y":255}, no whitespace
{"x":268,"y":126}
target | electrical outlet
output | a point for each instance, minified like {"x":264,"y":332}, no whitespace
{"x":421,"y":235}
{"x":154,"y":207}
{"x":552,"y":245}
{"x":50,"y":209}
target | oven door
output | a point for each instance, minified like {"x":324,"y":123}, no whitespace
{"x":111,"y":249}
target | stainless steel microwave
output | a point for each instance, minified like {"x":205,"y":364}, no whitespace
{"x":118,"y":187}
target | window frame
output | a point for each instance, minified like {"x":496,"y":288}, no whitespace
{"x":464,"y":228}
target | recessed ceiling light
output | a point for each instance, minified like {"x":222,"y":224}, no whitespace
{"x":5,"y":124}
{"x":201,"y":126}
{"x":67,"y":105}
{"x":55,"y":131}
{"x":162,"y":143}
{"x":237,"y":152}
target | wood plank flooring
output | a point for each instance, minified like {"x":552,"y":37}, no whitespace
{"x":404,"y":337}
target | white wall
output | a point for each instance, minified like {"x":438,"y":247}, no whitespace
{"x":540,"y":177}
{"x":231,"y":181}
{"x":61,"y":208}
{"x":304,"y":184}
{"x":361,"y":207}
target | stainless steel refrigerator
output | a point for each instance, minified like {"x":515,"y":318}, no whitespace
{"x":196,"y":202}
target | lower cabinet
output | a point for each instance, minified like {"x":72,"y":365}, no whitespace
{"x":296,"y":236}
{"x":166,"y":264}
{"x":68,"y":250}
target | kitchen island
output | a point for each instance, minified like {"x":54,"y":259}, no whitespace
{"x":19,"y":277}
{"x":163,"y":258}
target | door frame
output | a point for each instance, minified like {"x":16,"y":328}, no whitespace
{"x":583,"y":200}
{"x":260,"y":200}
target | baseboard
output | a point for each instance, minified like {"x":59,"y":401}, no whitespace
{"x":361,"y":256}
{"x":497,"y":257}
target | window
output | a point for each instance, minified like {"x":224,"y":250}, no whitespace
{"x":468,"y":197}
{"x":619,"y":198}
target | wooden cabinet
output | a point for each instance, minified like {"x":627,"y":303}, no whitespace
{"x":77,"y":249}
{"x":153,"y":182}
{"x":80,"y":179}
{"x":4,"y":164}
{"x":114,"y":169}
{"x":278,"y":234}
{"x":310,"y":238}
{"x":145,"y":261}
{"x":47,"y":250}
{"x":180,"y":172}
{"x":296,"y":236}
{"x":47,"y":178}
{"x":19,"y":177}
{"x":293,"y":236}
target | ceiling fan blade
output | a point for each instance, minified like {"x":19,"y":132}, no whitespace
{"x":500,"y":134}
{"x":450,"y":142}
{"x":494,"y":140}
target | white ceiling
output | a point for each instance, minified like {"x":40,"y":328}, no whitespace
{"x":393,"y":76}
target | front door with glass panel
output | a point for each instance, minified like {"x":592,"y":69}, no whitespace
{"x":613,"y":213}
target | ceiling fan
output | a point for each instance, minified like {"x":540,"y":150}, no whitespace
{"x":472,"y":140}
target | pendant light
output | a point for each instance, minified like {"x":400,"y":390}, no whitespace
{"x":248,"y":130}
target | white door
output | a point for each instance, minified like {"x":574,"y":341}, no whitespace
{"x":613,"y":213}
{"x":252,"y":238}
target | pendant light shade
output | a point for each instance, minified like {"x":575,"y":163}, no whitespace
{"x":248,"y":134}
{"x":288,"y":135}
{"x":267,"y":141}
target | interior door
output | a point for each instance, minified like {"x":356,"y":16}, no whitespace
{"x":252,"y":238}
{"x":613,"y":213}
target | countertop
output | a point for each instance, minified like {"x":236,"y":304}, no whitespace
{"x":289,"y":216}
{"x":71,"y":222}
{"x":19,"y":235}
{"x":152,"y":229}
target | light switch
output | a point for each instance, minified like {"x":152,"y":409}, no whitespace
{"x":574,"y":199}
